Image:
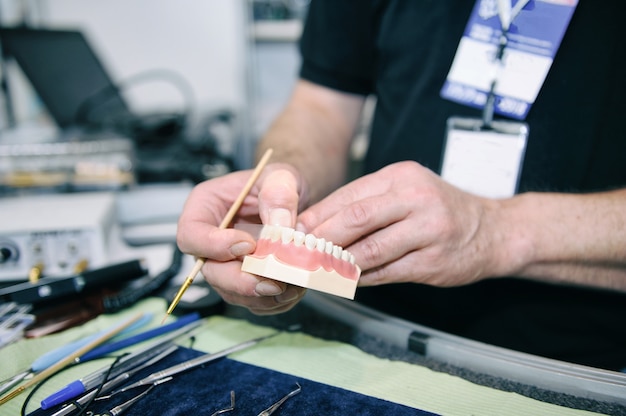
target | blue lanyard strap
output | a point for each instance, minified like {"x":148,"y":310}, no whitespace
{"x":507,"y":13}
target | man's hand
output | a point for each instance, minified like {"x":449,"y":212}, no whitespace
{"x":273,"y":199}
{"x":405,"y":224}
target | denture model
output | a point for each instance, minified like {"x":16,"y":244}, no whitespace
{"x":291,"y":256}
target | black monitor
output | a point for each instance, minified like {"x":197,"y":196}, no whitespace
{"x":66,"y":74}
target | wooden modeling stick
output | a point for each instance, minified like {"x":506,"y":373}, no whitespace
{"x":70,"y":359}
{"x":227,"y":220}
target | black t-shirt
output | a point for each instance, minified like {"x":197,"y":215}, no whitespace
{"x":401,"y":52}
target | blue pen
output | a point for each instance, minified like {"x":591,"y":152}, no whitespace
{"x":123,"y":370}
{"x":78,"y":387}
{"x":52,"y":357}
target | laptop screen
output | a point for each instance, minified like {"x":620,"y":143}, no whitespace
{"x":66,"y":74}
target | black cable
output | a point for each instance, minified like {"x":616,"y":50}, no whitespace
{"x":116,"y":303}
{"x":101,"y":96}
{"x":105,"y":379}
{"x":130,"y":296}
{"x":61,"y":370}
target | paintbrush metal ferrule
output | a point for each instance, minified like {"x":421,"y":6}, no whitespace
{"x":178,"y":297}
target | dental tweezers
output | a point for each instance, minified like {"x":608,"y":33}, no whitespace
{"x":270,"y":410}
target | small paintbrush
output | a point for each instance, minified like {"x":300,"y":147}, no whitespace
{"x":227,"y":220}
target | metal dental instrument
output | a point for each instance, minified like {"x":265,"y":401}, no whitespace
{"x":111,"y":384}
{"x":227,"y":409}
{"x":118,"y":410}
{"x":193,"y":363}
{"x":275,"y":406}
{"x":47,"y":359}
{"x":16,"y":330}
{"x":13,"y":319}
{"x":116,"y":381}
{"x":13,"y":312}
{"x":227,"y":220}
{"x":13,"y":381}
{"x":127,"y":363}
{"x":69,"y":359}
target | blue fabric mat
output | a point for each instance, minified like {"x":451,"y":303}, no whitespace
{"x":204,"y":390}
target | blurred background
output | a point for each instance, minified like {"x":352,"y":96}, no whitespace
{"x":200,"y":79}
{"x":111,"y":111}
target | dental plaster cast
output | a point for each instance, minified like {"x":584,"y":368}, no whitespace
{"x":304,"y":260}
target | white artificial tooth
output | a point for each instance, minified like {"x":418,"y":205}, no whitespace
{"x":345,"y":256}
{"x":352,"y":260}
{"x":329,"y":247}
{"x":287,"y":235}
{"x":320,"y":245}
{"x":337,"y":252}
{"x":267,"y":231}
{"x":298,"y":238}
{"x":310,"y":241}
{"x":275,"y":233}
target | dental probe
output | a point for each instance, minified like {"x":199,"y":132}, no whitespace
{"x":190,"y":364}
{"x":227,"y":219}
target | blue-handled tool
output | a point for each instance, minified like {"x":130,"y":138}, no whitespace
{"x":52,"y":357}
{"x":78,"y":387}
{"x":135,"y":339}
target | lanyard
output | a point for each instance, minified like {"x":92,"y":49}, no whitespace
{"x":507,"y":13}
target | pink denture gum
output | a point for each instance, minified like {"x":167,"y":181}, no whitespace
{"x":304,"y":260}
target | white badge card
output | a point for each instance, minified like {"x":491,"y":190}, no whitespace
{"x":484,"y":162}
{"x":533,"y":30}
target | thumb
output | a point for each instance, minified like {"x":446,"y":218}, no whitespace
{"x":278,"y":198}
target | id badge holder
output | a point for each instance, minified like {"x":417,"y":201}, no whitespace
{"x":484,"y":161}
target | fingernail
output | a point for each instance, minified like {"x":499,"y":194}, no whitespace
{"x":289,"y":295}
{"x":241,"y":249}
{"x":280,"y":216}
{"x":267,"y":288}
